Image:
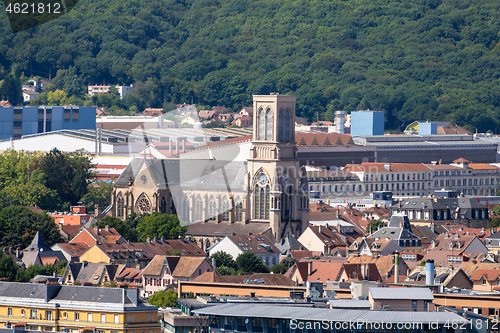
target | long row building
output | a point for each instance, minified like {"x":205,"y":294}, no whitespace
{"x":406,"y":179}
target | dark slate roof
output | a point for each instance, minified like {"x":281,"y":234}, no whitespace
{"x":428,"y":233}
{"x":38,"y":244}
{"x":23,"y":290}
{"x":226,"y":229}
{"x":249,"y":310}
{"x":190,"y":174}
{"x":90,"y":294}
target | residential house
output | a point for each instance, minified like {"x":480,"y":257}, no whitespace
{"x":246,"y":111}
{"x":400,"y":230}
{"x":164,"y":271}
{"x":29,"y":95}
{"x":56,"y":308}
{"x":314,"y":271}
{"x":132,"y":254}
{"x":76,"y":216}
{"x":208,"y":114}
{"x":425,"y":211}
{"x":260,"y":245}
{"x":104,"y":89}
{"x":189,"y":120}
{"x":153,"y":112}
{"x":225,"y":118}
{"x":492,"y":242}
{"x":359,"y":272}
{"x":92,"y":236}
{"x":486,"y":280}
{"x":472,"y":266}
{"x":39,"y":253}
{"x":325,"y":239}
{"x":242,"y":121}
{"x":71,"y":251}
{"x":385,"y":264}
{"x":448,"y":277}
{"x":94,"y":274}
{"x":398,"y":299}
{"x":131,"y":277}
{"x":373,"y":246}
{"x":453,"y":249}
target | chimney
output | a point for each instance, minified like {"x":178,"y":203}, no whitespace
{"x":162,"y":239}
{"x":213,"y":263}
{"x":184,"y":146}
{"x":107,"y":228}
{"x":148,"y":240}
{"x":18,"y":252}
{"x":309,"y":268}
{"x":96,"y":229}
{"x":429,"y":272}
{"x":155,"y":239}
{"x":138,"y":267}
{"x":396,"y":267}
{"x":320,"y":229}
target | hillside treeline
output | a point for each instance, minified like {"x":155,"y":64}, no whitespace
{"x":413,"y":59}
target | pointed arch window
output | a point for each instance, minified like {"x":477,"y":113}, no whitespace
{"x":262,"y":124}
{"x":143,"y":205}
{"x":287,"y":126}
{"x":281,"y":125}
{"x":163,"y":205}
{"x":225,"y":210}
{"x":185,"y":210}
{"x":199,"y":209}
{"x":262,"y":201}
{"x":120,"y":206}
{"x":269,"y":125}
{"x":239,"y":211}
{"x":212,"y":210}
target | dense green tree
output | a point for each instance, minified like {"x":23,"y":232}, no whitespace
{"x":124,"y":228}
{"x":494,"y":222}
{"x":284,"y":265}
{"x":11,"y":90}
{"x":430,"y":60}
{"x":8,"y":268}
{"x":67,"y":174}
{"x":18,"y":226}
{"x":223,"y":259}
{"x":248,"y":262}
{"x":99,"y":193}
{"x":374,"y":226}
{"x":26,"y":274}
{"x":164,"y":298}
{"x":159,"y":224}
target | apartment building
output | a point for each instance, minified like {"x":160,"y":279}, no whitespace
{"x":75,"y":309}
{"x":406,"y":179}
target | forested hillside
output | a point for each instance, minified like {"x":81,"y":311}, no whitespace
{"x":413,"y":59}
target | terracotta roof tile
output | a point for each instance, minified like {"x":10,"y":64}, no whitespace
{"x":187,"y":266}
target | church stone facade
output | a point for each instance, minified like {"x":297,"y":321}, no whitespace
{"x":268,"y":194}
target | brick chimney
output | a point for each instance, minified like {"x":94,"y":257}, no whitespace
{"x":96,"y":229}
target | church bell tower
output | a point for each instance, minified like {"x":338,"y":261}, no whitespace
{"x":277,"y":184}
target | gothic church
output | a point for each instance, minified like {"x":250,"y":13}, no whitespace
{"x":265,"y":195}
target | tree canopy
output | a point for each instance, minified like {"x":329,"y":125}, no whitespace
{"x":412,"y":59}
{"x":249,"y":262}
{"x":159,"y":224}
{"x":18,"y":226}
{"x":164,"y":298}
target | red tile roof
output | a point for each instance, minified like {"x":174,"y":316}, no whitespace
{"x":322,"y":139}
{"x":488,"y":274}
